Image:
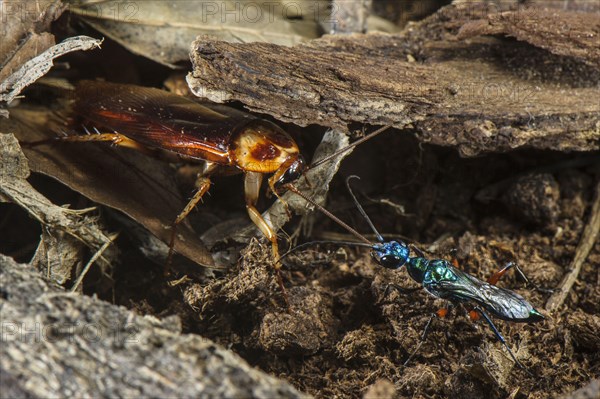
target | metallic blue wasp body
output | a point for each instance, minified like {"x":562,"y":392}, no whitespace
{"x":443,"y":280}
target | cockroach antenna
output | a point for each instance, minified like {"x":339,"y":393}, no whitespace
{"x":330,"y":215}
{"x":361,"y":209}
{"x":354,"y":144}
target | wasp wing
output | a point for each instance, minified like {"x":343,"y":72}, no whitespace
{"x":503,"y":303}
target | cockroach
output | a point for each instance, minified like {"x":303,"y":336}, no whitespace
{"x":442,"y":279}
{"x":225,"y":139}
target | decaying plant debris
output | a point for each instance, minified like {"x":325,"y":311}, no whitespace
{"x":492,"y":151}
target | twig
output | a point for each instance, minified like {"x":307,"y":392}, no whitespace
{"x":92,"y":260}
{"x":588,"y":239}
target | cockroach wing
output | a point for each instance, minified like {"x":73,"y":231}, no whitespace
{"x":500,"y":302}
{"x":158,"y":119}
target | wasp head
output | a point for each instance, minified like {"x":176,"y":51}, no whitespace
{"x":391,"y":254}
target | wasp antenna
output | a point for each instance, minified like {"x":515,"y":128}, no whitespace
{"x":330,"y":215}
{"x":349,"y":146}
{"x":361,"y":209}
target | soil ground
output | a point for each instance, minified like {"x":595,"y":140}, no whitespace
{"x":348,"y":334}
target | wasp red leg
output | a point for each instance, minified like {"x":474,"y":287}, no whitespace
{"x":493,"y":280}
{"x":498,"y":275}
{"x":500,"y":338}
{"x":203,"y":184}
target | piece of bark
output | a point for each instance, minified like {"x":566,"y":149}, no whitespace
{"x":330,"y":83}
{"x":589,"y":391}
{"x":55,"y":343}
{"x":481,"y":95}
{"x":571,"y":34}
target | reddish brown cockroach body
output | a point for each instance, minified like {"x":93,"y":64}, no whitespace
{"x":155,"y":121}
{"x":149,"y":119}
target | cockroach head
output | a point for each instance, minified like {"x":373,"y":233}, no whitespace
{"x":295,"y":170}
{"x":390,"y":254}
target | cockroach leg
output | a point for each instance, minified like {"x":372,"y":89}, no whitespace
{"x":252,"y":183}
{"x":203,"y":184}
{"x":114,"y":138}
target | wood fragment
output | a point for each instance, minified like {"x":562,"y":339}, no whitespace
{"x":479,"y":95}
{"x":588,"y":240}
{"x":560,"y":32}
{"x":55,"y":343}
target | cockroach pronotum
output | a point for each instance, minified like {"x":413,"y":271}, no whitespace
{"x":442,"y":279}
{"x":150,"y":119}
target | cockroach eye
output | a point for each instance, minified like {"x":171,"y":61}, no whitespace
{"x":294,"y":172}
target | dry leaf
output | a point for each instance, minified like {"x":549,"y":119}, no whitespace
{"x":77,"y":224}
{"x":21,"y":30}
{"x":37,"y":67}
{"x":163,"y":30}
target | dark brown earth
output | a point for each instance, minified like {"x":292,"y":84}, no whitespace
{"x":346,"y":333}
{"x":525,"y":196}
